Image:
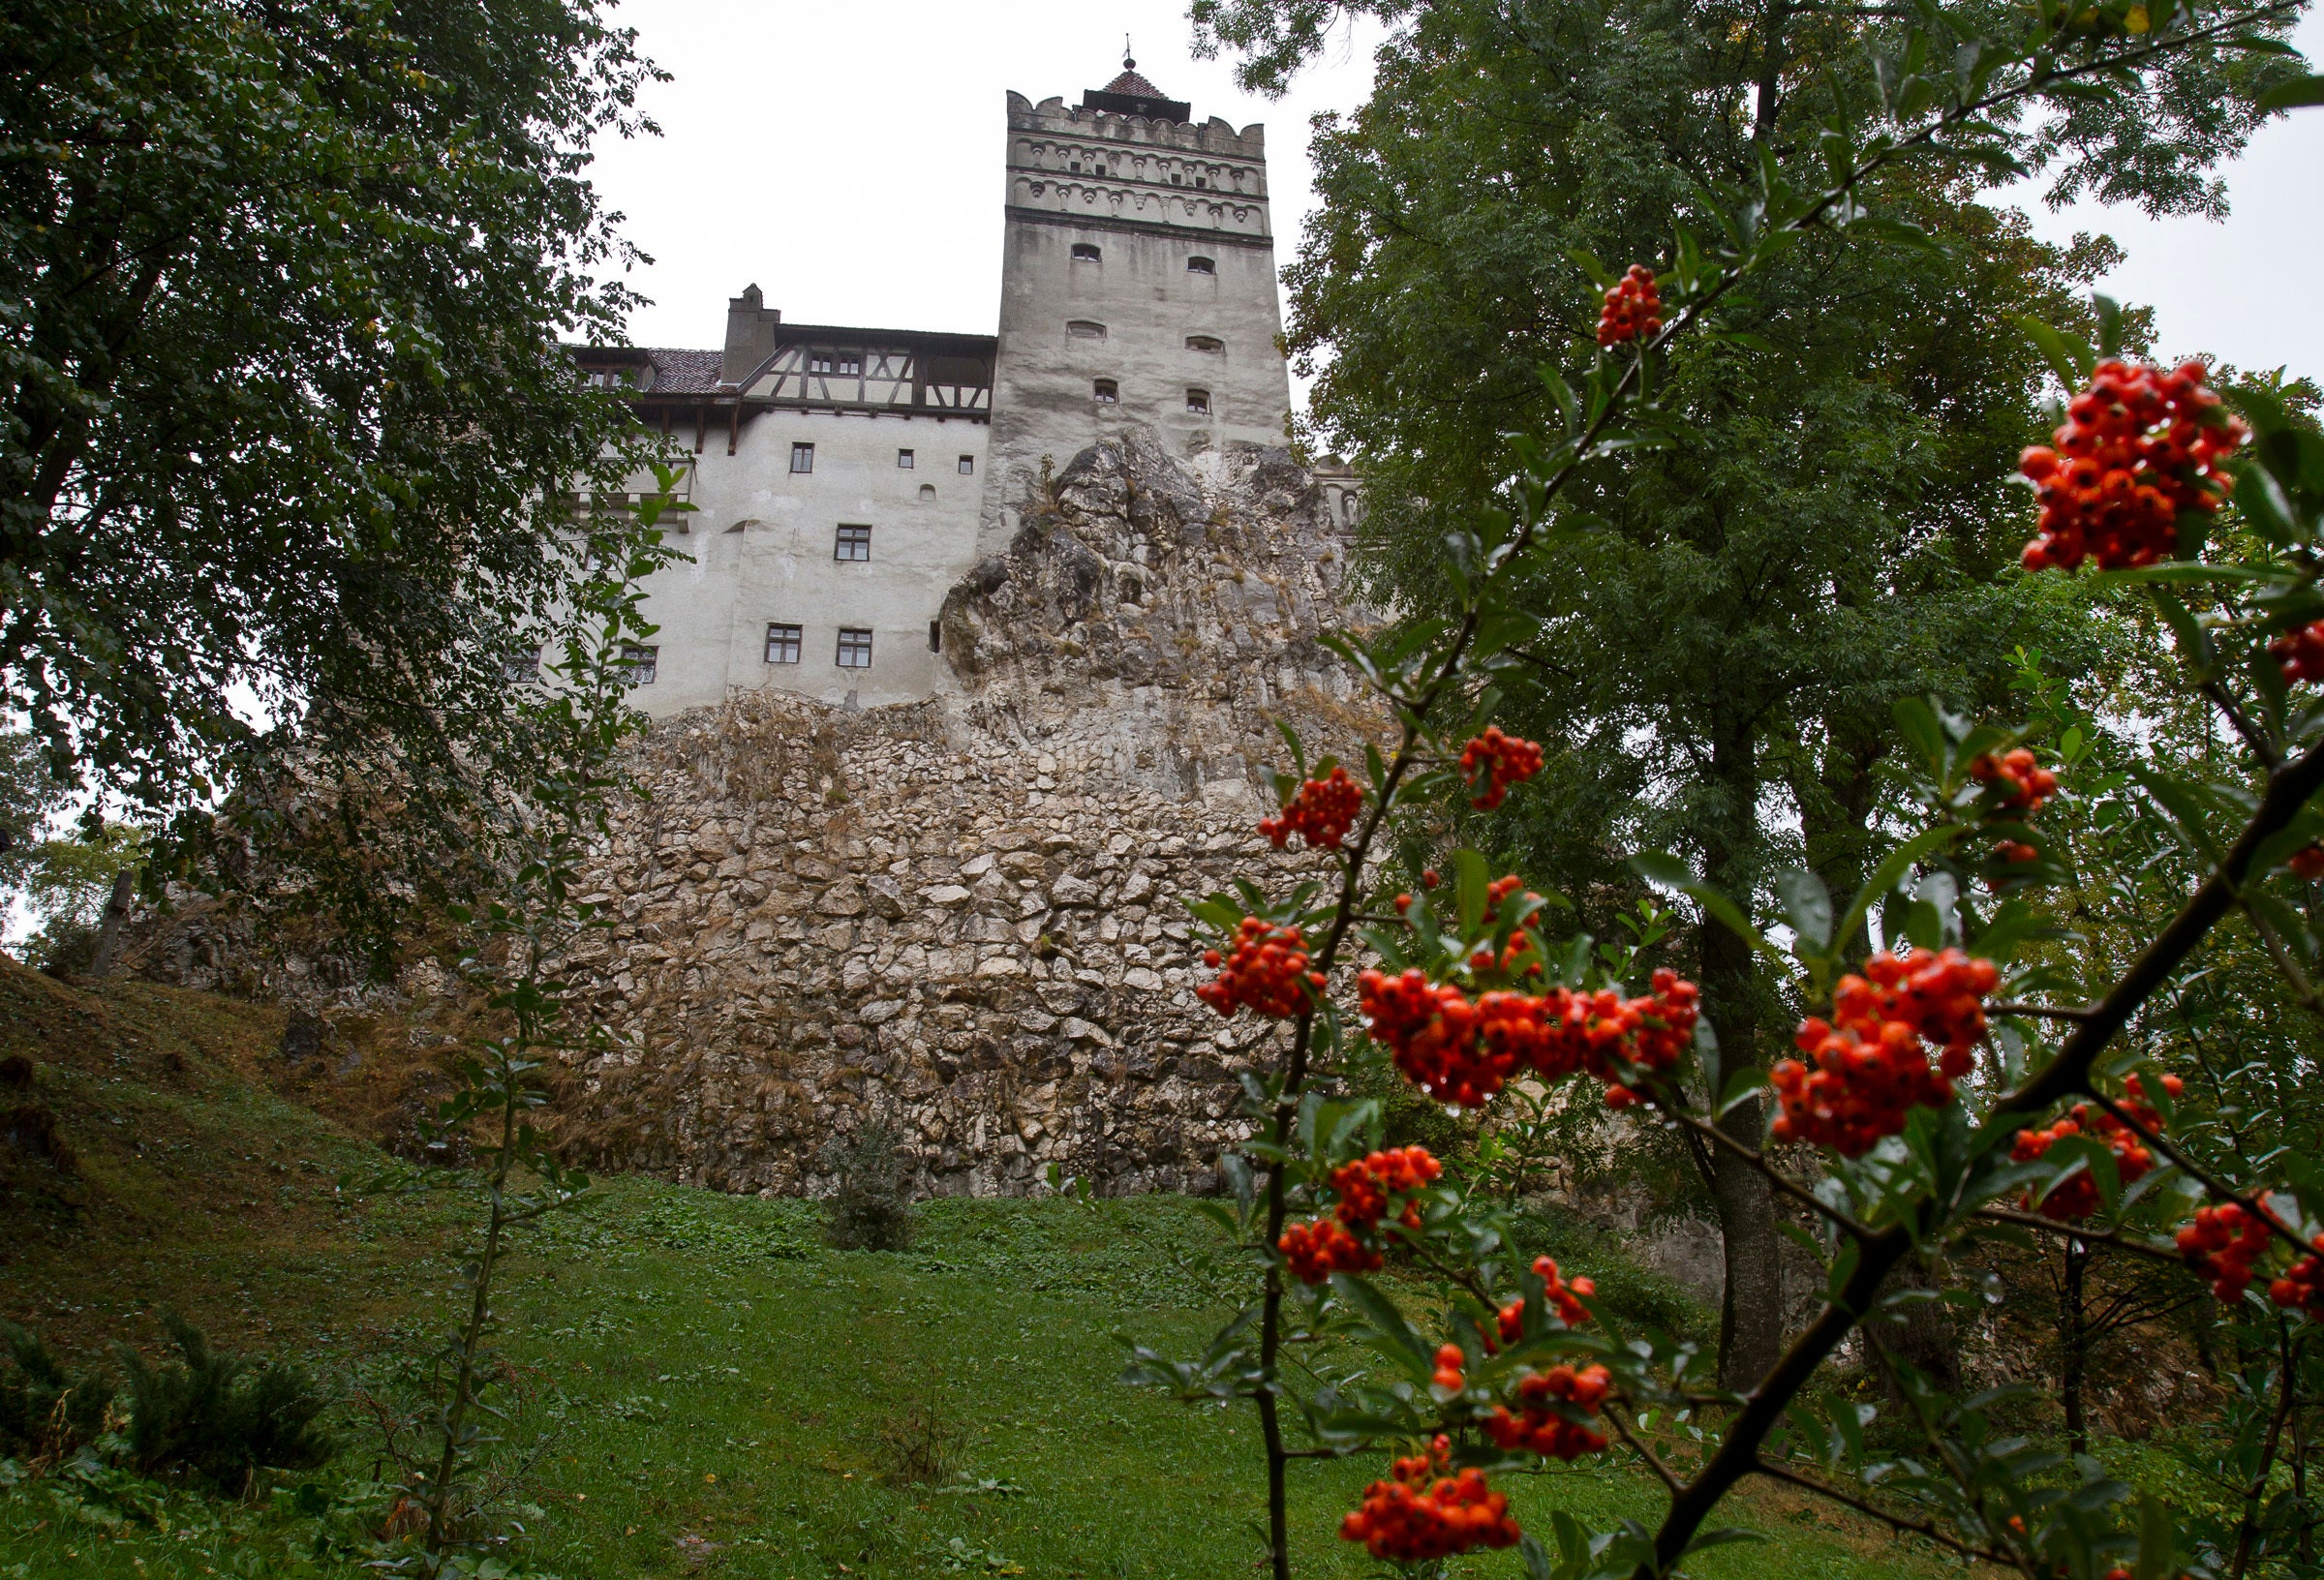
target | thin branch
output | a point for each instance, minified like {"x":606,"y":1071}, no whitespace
{"x":2253,"y":736}
{"x":2252,"y":1204}
{"x":1776,"y":1177}
{"x":1895,"y":1522}
{"x":2151,"y":1249}
{"x":1629,"y":1435}
{"x":2041,"y":1011}
{"x":2285,"y":966}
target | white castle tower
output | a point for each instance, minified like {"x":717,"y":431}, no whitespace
{"x":1136,"y":285}
{"x":844,"y":479}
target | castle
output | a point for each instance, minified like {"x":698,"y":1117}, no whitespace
{"x":843,"y":480}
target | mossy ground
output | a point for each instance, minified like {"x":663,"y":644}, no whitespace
{"x":703,"y":1388}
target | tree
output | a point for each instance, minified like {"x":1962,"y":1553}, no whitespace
{"x":287,"y":441}
{"x":1919,"y":1105}
{"x":1712,"y":667}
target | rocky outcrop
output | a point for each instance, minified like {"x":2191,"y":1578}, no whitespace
{"x":962,"y":915}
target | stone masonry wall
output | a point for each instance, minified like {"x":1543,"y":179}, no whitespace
{"x":962,"y":915}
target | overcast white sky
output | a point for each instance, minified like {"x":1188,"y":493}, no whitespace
{"x":847,"y":158}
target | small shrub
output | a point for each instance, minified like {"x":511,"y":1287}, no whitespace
{"x":65,"y":947}
{"x":221,"y":1416}
{"x":45,"y":1411}
{"x":919,"y":1444}
{"x":872,"y":1208}
{"x":31,"y":1129}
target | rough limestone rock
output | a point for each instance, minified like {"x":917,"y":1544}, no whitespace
{"x":963,"y":914}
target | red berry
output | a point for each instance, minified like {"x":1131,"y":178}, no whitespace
{"x":1267,"y":970}
{"x":1868,"y":1063}
{"x":1492,"y":762}
{"x":1321,"y":814}
{"x":2138,"y":447}
{"x":1633,"y":308}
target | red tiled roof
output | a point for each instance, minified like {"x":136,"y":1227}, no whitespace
{"x":1135,"y":87}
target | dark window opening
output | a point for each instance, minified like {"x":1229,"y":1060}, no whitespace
{"x":1173,"y":178}
{"x":1201,"y":265}
{"x":1198,"y":402}
{"x":904,"y":460}
{"x":1104,"y":392}
{"x":1205,"y":343}
{"x":642,"y":663}
{"x":854,"y":543}
{"x":936,"y":636}
{"x":1085,"y":252}
{"x":1084,"y":329}
{"x":1200,"y":182}
{"x":928,"y":493}
{"x":855,"y":648}
{"x":783,"y":644}
{"x":967,"y":465}
{"x":803,"y":458}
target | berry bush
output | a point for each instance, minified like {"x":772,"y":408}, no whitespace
{"x":1960,"y":1076}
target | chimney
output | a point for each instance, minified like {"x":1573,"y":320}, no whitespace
{"x":750,"y":334}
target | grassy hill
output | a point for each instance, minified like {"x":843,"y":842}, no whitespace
{"x":705,"y":1390}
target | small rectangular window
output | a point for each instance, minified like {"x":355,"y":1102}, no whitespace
{"x":783,"y":644}
{"x":1198,"y":402}
{"x":851,"y":363}
{"x":936,"y":636}
{"x":818,"y":361}
{"x":967,"y":465}
{"x":854,"y":543}
{"x":904,"y":460}
{"x":1085,"y":252}
{"x":803,"y":458}
{"x":1201,"y":265}
{"x":641,"y":663}
{"x":855,"y":648}
{"x":1104,"y":392}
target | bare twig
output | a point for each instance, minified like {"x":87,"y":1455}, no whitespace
{"x":2042,"y":1012}
{"x":2155,"y":1250}
{"x":1782,"y":1181}
{"x":1895,"y":1522}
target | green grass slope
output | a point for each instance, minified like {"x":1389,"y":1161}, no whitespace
{"x":704,"y":1390}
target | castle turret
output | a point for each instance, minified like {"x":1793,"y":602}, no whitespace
{"x":1138,"y":286}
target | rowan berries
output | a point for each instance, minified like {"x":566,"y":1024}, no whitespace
{"x":1558,"y":1296}
{"x":1463,"y":1052}
{"x":2016,"y":852}
{"x":1321,"y":814}
{"x":1423,"y":1515}
{"x":1316,"y":1251}
{"x":1492,"y":762}
{"x":1429,"y":878}
{"x":2308,"y":862}
{"x":1430,"y":1030}
{"x":1365,"y":1185}
{"x":2222,"y":1244}
{"x":2301,"y":652}
{"x":2078,"y":1196}
{"x":2138,"y":446}
{"x":1632,"y":306}
{"x":2024,"y":785}
{"x":1449,"y":1364}
{"x":1268,"y":971}
{"x":1870,"y":1061}
{"x":1539,"y":1424}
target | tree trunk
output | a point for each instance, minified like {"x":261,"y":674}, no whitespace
{"x":2073,"y":1345}
{"x":1919,"y":1334}
{"x":108,"y":931}
{"x":1751,"y":1307}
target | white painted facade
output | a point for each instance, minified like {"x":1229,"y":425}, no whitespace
{"x":1138,"y":293}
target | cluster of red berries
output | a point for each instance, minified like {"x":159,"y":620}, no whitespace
{"x":1632,"y":306}
{"x":1423,"y":1514}
{"x":1462,"y":1053}
{"x":2139,"y":445}
{"x":1539,"y":1424}
{"x":1365,"y":1186}
{"x":2301,"y":1285}
{"x":2301,"y":652}
{"x":1450,"y":1360}
{"x":1492,"y":762}
{"x":1557,"y":1294}
{"x":2026,"y":786}
{"x":2222,"y":1244}
{"x":1321,"y":814}
{"x":2308,"y":862}
{"x":1870,"y":1062}
{"x":1316,"y":1251}
{"x":2078,"y":1197}
{"x":1266,"y":970}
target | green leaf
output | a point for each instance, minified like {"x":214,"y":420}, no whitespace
{"x":1380,"y":1315}
{"x":2071,"y":360}
{"x":1469,"y":883}
{"x":1660,"y":866}
{"x":2299,"y":93}
{"x":1919,"y":723}
{"x":1807,"y":905}
{"x":1891,"y":871}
